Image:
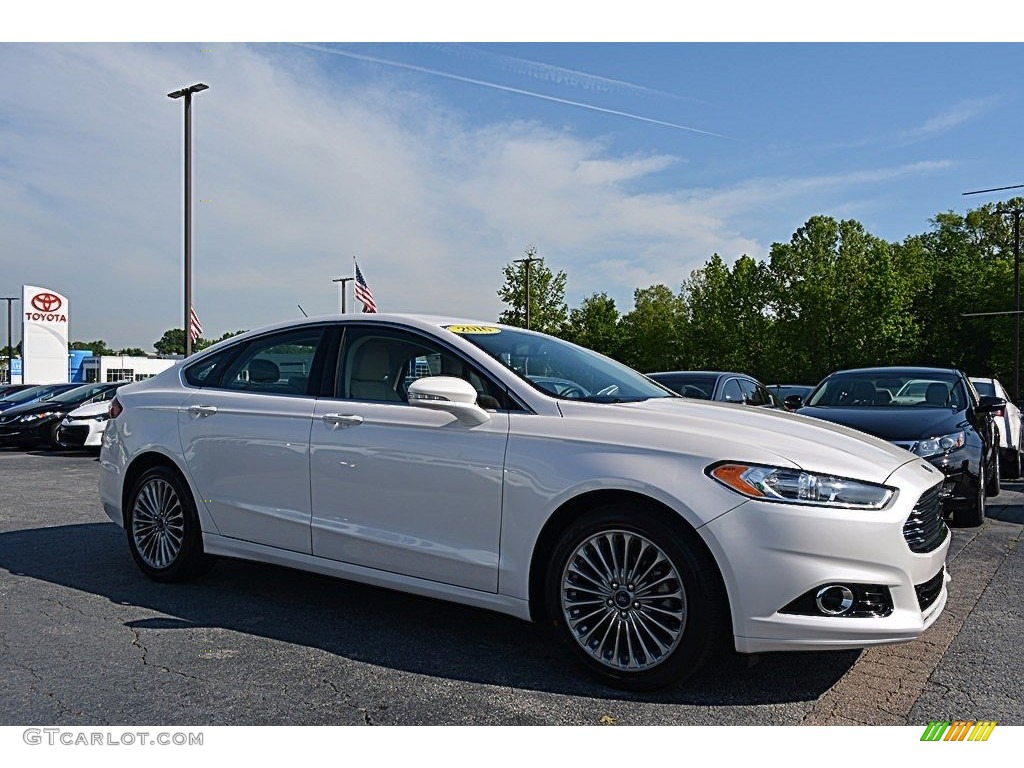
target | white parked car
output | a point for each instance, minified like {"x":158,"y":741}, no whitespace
{"x":83,"y":427}
{"x":417,"y":453}
{"x":1009,"y":423}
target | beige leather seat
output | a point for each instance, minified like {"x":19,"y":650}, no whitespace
{"x":371,"y":373}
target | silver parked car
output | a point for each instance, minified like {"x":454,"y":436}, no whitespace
{"x":1009,"y":423}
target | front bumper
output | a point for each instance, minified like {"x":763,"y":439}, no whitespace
{"x":771,"y":554}
{"x":81,"y":434}
{"x":27,"y":433}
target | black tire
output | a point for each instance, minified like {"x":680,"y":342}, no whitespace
{"x":994,"y":486}
{"x":973,"y":516}
{"x":702,"y":609}
{"x":182,"y":521}
{"x":1012,"y":464}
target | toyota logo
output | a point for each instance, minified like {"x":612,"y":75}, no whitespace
{"x":46,"y":302}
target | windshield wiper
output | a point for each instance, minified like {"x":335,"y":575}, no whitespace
{"x":611,"y":399}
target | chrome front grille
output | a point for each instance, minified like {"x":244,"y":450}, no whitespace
{"x":925,"y":529}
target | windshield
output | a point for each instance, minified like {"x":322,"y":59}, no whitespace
{"x":890,"y":390}
{"x":985,"y":388}
{"x":26,"y":395}
{"x":559,"y":368}
{"x":78,"y":394}
{"x":698,"y":385}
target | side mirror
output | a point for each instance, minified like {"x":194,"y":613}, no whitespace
{"x":989,"y":404}
{"x":448,"y":394}
{"x":794,"y":403}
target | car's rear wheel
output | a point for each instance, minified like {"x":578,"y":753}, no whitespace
{"x":638,"y":603}
{"x":994,"y":486}
{"x":163,"y":528}
{"x":1012,"y":464}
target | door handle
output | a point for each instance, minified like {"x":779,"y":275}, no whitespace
{"x":202,"y":410}
{"x":342,"y":420}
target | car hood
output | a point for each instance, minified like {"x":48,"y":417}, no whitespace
{"x":90,"y":410}
{"x":892,"y":423}
{"x":742,"y":433}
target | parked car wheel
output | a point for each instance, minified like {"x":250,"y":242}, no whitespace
{"x":994,"y":485}
{"x":163,"y":528}
{"x":1012,"y":464}
{"x":973,"y":516}
{"x":637,"y":604}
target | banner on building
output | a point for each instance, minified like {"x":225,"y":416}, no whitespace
{"x":44,"y":351}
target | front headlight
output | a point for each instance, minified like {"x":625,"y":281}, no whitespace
{"x":794,"y":486}
{"x":100,"y":417}
{"x":29,"y":417}
{"x":933,"y":446}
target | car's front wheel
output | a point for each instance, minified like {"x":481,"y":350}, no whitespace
{"x":974,"y":515}
{"x":639,"y":603}
{"x":163,"y":529}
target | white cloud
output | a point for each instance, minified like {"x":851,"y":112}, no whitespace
{"x":958,"y":114}
{"x":304,"y":171}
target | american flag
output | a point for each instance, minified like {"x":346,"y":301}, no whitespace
{"x":363,"y":292}
{"x":195,"y":328}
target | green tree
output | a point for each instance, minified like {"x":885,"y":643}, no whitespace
{"x":729,"y":322}
{"x":839,"y":300}
{"x":98,"y":347}
{"x":653,"y":332}
{"x":966,"y":264}
{"x":132,"y":352}
{"x":548,"y":310}
{"x":172,"y":342}
{"x":595,"y":324}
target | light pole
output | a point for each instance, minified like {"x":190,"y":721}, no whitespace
{"x":187,"y":94}
{"x":528,"y":261}
{"x":342,"y":281}
{"x":10,"y":351}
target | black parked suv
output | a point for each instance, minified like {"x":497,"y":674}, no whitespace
{"x":932,"y":412}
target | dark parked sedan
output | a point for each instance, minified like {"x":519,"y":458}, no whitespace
{"x":36,"y":423}
{"x":932,"y":412}
{"x":32,"y":394}
{"x":717,"y":385}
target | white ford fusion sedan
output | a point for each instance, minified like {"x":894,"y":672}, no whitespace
{"x":427,"y":455}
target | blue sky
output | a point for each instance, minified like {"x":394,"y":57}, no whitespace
{"x":436,"y":164}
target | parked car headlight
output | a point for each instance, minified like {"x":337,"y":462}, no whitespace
{"x":795,"y":486}
{"x":933,"y":446}
{"x":29,"y":417}
{"x":100,"y":417}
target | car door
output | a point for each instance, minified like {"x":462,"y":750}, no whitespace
{"x":401,"y":488}
{"x":245,"y":438}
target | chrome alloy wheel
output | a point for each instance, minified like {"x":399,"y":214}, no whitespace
{"x":158,"y":523}
{"x":623,"y":600}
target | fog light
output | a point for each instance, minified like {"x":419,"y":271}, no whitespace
{"x":835,"y":599}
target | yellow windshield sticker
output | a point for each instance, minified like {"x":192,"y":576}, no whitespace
{"x":473,"y":330}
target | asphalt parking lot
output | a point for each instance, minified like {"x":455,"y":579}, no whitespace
{"x":85,"y":639}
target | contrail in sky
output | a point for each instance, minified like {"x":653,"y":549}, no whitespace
{"x":506,"y":88}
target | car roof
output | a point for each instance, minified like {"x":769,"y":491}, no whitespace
{"x":898,"y":369}
{"x":702,"y":373}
